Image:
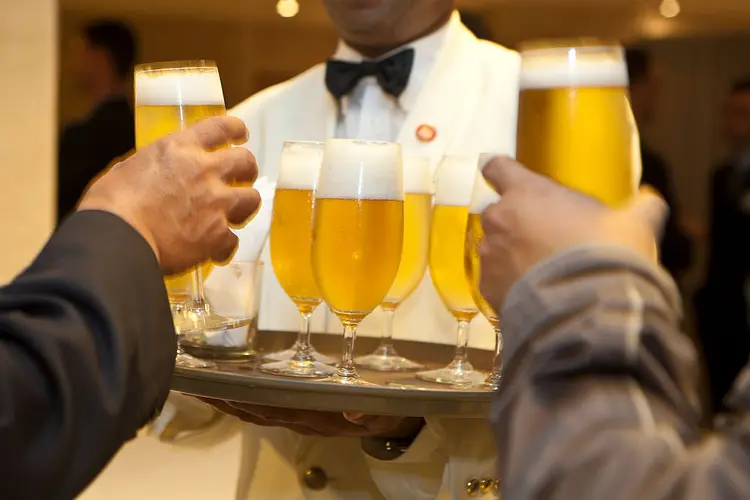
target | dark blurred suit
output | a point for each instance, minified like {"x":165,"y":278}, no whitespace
{"x":675,"y":249}
{"x":721,"y":305}
{"x":88,"y":146}
{"x":87,"y":351}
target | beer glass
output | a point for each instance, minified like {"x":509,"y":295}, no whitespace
{"x":170,"y":97}
{"x":357,"y":238}
{"x":482,"y":196}
{"x":575,"y":124}
{"x":450,"y":214}
{"x":417,"y":213}
{"x":291,"y":234}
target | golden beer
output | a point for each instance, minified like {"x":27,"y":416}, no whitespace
{"x":574,"y":119}
{"x":171,"y":97}
{"x":356,"y":252}
{"x":291,"y":234}
{"x":472,"y":267}
{"x":446,"y":260}
{"x":417,"y":213}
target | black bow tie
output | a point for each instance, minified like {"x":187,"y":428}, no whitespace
{"x":392,"y":74}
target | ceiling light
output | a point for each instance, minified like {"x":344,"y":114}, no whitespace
{"x":287,"y":8}
{"x":669,"y":8}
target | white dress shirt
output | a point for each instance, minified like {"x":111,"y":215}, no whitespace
{"x":368,"y":113}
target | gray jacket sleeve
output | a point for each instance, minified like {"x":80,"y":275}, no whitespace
{"x":599,"y":399}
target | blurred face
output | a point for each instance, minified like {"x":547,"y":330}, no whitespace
{"x":87,"y":65}
{"x":737,"y":120}
{"x":386,"y":23}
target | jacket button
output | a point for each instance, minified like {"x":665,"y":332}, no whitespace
{"x":315,"y":478}
{"x":472,"y":487}
{"x":488,"y":485}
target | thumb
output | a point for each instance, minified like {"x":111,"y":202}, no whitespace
{"x":504,"y":173}
{"x":650,"y":207}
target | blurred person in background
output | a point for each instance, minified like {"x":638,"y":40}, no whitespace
{"x":722,"y":303}
{"x":408,"y":72}
{"x":101,"y":64}
{"x":676,"y":247}
{"x":87,"y":348}
{"x":599,"y":397}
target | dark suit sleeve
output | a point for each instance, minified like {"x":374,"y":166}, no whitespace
{"x":86,"y":355}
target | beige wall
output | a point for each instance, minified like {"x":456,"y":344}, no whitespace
{"x":28,"y":58}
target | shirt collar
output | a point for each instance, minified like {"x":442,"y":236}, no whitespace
{"x":426,"y":50}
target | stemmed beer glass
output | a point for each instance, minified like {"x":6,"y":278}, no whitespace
{"x":450,"y":214}
{"x":291,"y":236}
{"x":418,"y":187}
{"x":482,"y":196}
{"x":170,"y":97}
{"x":358,"y":230}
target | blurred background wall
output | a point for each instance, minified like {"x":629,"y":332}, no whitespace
{"x":700,"y":51}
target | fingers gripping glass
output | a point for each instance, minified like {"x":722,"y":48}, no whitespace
{"x":170,"y":97}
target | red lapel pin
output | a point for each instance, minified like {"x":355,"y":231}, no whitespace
{"x":426,"y":133}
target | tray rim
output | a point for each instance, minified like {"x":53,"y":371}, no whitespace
{"x":320,"y":396}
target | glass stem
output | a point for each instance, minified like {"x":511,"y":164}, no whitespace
{"x":386,"y":338}
{"x":303,"y":339}
{"x":495,"y":377}
{"x":497,"y":364}
{"x":197,"y":288}
{"x":462,"y":341}
{"x":346,"y":368}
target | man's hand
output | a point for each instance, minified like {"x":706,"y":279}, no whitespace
{"x":320,"y":423}
{"x":178,"y":193}
{"x":537,"y":218}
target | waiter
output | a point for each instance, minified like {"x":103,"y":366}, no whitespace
{"x":87,"y":345}
{"x":431,"y":85}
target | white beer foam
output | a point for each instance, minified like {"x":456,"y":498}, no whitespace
{"x":482,"y":195}
{"x":417,"y":175}
{"x":299,"y":165}
{"x":574,"y":67}
{"x":184,"y":87}
{"x":455,"y":180}
{"x":365,"y":170}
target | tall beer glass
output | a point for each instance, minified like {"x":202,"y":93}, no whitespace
{"x":450,"y":214}
{"x":358,"y":230}
{"x":575,"y":124}
{"x":170,"y":97}
{"x":291,"y":234}
{"x":417,"y":214}
{"x":482,"y":196}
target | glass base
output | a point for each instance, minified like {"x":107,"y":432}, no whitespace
{"x":197,"y":317}
{"x":288,"y":354}
{"x":187,"y":361}
{"x":492,"y":382}
{"x":386,"y":359}
{"x":353,"y":381}
{"x":299,"y":369}
{"x":459,"y":373}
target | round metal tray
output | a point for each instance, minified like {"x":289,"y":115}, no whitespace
{"x":394,"y":394}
